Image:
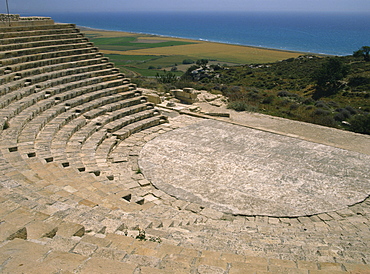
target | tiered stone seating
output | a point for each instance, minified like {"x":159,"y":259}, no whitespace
{"x":72,"y":196}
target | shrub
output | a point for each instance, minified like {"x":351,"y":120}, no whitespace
{"x":325,"y":121}
{"x":284,"y":93}
{"x":241,"y":106}
{"x":358,"y":81}
{"x":309,"y":101}
{"x":294,"y":106}
{"x":166,"y":78}
{"x":321,"y":104}
{"x":320,"y":112}
{"x":332,"y":104}
{"x":268,"y":100}
{"x":342,"y":114}
{"x":351,"y":110}
{"x":360,"y":123}
{"x":238,"y":106}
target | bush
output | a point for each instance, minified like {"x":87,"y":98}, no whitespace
{"x":342,"y":114}
{"x":166,"y":78}
{"x":309,"y":101}
{"x":320,"y":112}
{"x":241,"y":106}
{"x":360,"y":123}
{"x":284,"y":93}
{"x":351,"y":110}
{"x":188,"y":62}
{"x":294,"y":106}
{"x":358,"y":81}
{"x":268,"y":99}
{"x":324,"y":121}
{"x":321,"y":104}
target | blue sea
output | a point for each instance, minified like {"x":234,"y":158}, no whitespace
{"x":326,"y":33}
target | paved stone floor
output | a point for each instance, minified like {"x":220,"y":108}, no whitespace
{"x":245,"y":171}
{"x":340,"y":236}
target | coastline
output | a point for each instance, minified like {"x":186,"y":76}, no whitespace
{"x":89,"y":29}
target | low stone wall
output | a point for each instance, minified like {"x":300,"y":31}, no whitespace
{"x":6,"y":17}
{"x":16,"y":20}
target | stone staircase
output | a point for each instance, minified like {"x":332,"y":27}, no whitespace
{"x":73,"y":199}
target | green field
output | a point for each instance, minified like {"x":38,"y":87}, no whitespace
{"x":146,"y":55}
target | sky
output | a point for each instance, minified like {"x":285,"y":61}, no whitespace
{"x":43,"y":6}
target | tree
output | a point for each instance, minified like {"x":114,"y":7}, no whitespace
{"x":363,"y":52}
{"x":328,"y":76}
{"x":166,"y":78}
{"x":202,"y":62}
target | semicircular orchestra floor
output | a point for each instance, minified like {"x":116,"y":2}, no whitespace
{"x":240,"y":170}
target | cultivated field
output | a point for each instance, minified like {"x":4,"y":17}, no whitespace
{"x":139,"y":52}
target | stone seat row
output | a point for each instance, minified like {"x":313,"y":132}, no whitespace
{"x":38,"y":38}
{"x":11,"y":32}
{"x":23,"y":48}
{"x":39,"y":69}
{"x":43,"y":49}
{"x":88,"y":94}
{"x":54,"y":89}
{"x":82,"y":103}
{"x":55,"y":52}
{"x":42,"y":78}
{"x":46,"y":96}
{"x":18,"y":67}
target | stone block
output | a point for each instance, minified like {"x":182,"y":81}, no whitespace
{"x":67,"y":229}
{"x":153,"y":98}
{"x":246,"y":268}
{"x":102,"y":265}
{"x":64,"y":261}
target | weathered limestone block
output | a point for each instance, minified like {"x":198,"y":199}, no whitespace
{"x":187,"y":95}
{"x":153,"y":98}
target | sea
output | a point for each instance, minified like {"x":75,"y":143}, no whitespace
{"x":321,"y":32}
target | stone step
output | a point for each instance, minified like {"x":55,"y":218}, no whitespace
{"x":41,"y":43}
{"x":137,"y":126}
{"x":87,"y":100}
{"x":46,"y":67}
{"x":43,"y":49}
{"x":45,"y":137}
{"x":59,"y":86}
{"x":57,"y":53}
{"x":27,"y":39}
{"x":45,"y":63}
{"x":49,"y":79}
{"x":112,"y":255}
{"x":30,"y":30}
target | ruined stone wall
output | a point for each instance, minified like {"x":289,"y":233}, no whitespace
{"x":16,"y":20}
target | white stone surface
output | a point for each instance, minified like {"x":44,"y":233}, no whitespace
{"x":246,"y":171}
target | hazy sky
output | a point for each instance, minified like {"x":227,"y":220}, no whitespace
{"x":42,"y":6}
